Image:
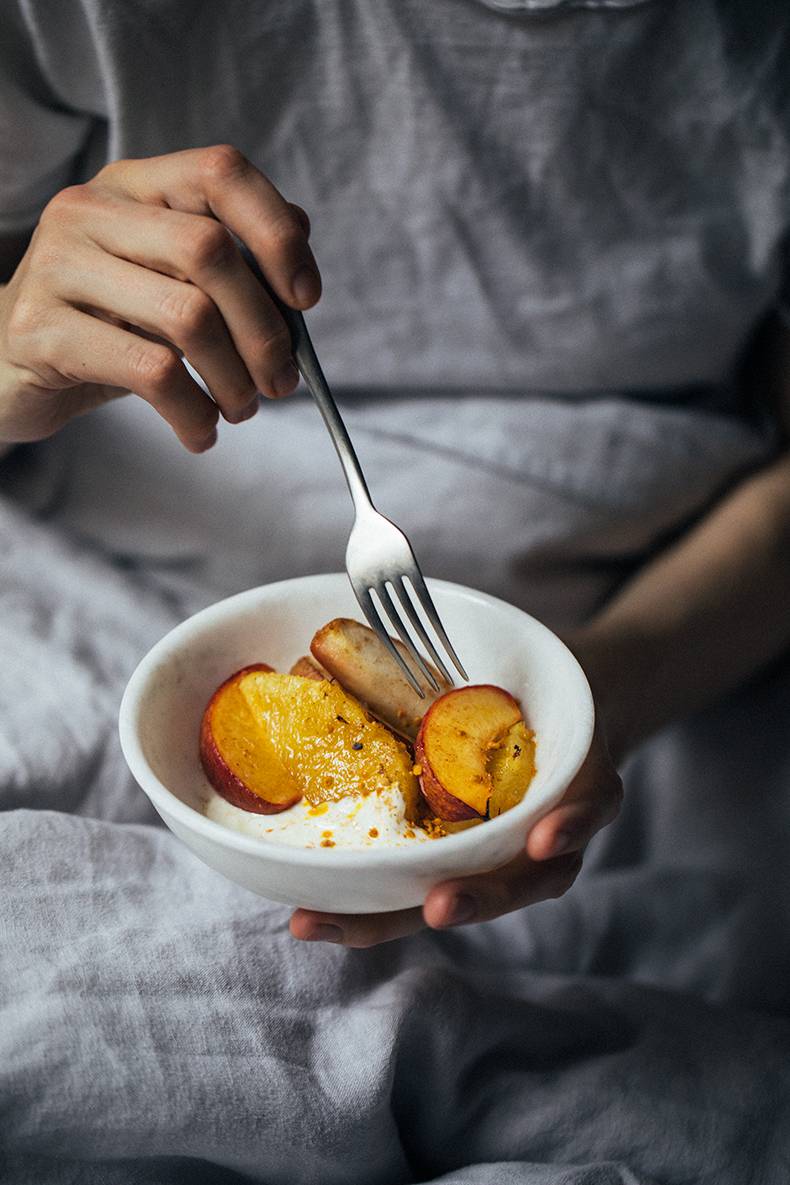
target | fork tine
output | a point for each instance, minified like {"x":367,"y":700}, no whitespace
{"x":405,"y":637}
{"x":425,"y":600}
{"x":403,"y":596}
{"x":368,"y":607}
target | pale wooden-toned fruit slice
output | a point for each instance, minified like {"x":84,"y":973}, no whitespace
{"x":456,"y":735}
{"x":354,"y":655}
{"x":308,"y":668}
{"x":237,"y":756}
{"x":512,"y":767}
{"x":326,"y":740}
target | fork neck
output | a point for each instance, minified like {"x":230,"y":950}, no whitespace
{"x":352,"y":470}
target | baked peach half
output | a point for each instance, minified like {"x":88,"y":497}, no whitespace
{"x":474,"y":753}
{"x":237,"y":755}
{"x":268,"y":740}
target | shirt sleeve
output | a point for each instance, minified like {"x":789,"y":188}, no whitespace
{"x":40,"y":138}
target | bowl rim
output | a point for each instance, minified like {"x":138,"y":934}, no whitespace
{"x":168,"y":804}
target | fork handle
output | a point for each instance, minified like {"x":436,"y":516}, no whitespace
{"x":311,"y":372}
{"x":310,"y":369}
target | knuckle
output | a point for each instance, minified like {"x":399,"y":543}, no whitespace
{"x":25,"y":318}
{"x":222,"y":163}
{"x":188,"y":314}
{"x":209,"y":246}
{"x":66,"y":204}
{"x":285,"y":232}
{"x":154,"y":368}
{"x":275,"y":348}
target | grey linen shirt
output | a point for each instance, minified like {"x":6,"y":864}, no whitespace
{"x":505,"y":196}
{"x":546,"y":231}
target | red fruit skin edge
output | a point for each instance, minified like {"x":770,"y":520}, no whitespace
{"x":219,"y":773}
{"x":444,"y":806}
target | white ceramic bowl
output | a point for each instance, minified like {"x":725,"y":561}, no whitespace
{"x":164,"y":701}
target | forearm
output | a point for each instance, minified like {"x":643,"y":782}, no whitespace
{"x":698,"y":620}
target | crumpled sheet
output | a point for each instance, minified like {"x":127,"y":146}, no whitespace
{"x":158,"y":1024}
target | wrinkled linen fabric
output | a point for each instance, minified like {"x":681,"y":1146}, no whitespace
{"x":159,"y":1024}
{"x":542,"y":315}
{"x":511,"y":493}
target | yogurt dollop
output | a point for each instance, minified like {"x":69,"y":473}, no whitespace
{"x":372,"y":820}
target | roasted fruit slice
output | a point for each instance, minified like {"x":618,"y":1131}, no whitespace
{"x":354,"y":655}
{"x":512,"y":767}
{"x":327,"y":740}
{"x":307,"y":668}
{"x":316,"y":734}
{"x":237,"y":755}
{"x":456,"y":738}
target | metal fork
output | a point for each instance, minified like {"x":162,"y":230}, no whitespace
{"x":378,"y":554}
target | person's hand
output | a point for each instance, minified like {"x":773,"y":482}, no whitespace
{"x":128,"y":272}
{"x":547,"y":867}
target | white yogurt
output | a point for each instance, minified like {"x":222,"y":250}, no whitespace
{"x":375,"y":820}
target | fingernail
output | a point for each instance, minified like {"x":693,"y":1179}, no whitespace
{"x":306,"y":285}
{"x":286,"y":379}
{"x":462,"y":909}
{"x":324,"y":933}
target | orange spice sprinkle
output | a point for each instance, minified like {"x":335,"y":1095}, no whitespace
{"x":374,"y":833}
{"x":327,"y":843}
{"x":433,"y":827}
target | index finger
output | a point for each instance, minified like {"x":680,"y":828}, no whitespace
{"x":489,"y":895}
{"x":592,"y":800}
{"x":221,"y":182}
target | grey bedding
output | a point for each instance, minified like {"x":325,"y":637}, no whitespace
{"x":158,"y":1024}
